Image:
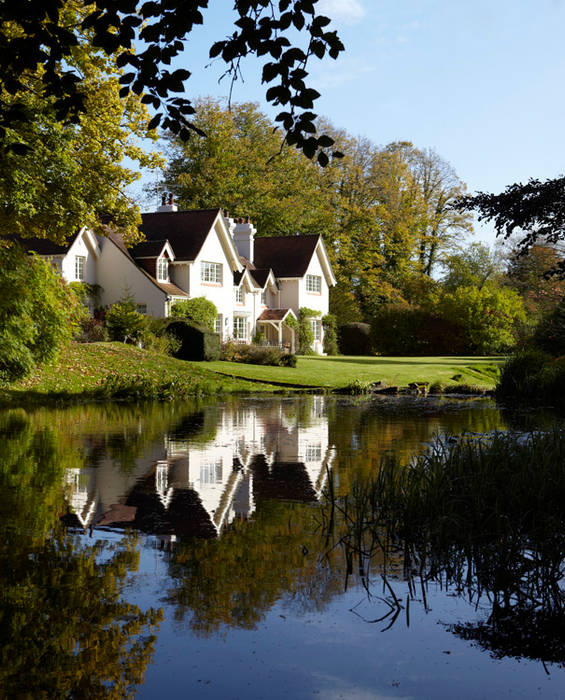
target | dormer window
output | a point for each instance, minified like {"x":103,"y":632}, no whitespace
{"x":162,"y":270}
{"x":239,"y":295}
{"x":314,"y":284}
{"x":264,"y":297}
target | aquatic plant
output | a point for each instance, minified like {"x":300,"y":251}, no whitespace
{"x":483,"y":515}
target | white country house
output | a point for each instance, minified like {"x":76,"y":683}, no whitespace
{"x":255,"y":283}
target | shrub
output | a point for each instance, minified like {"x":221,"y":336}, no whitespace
{"x":257,"y":355}
{"x":124,"y":322}
{"x":194,"y":343}
{"x":549,"y":334}
{"x":200,"y":312}
{"x":329,"y":324}
{"x":305,"y":332}
{"x":38,"y":312}
{"x":402,"y":329}
{"x":490,"y":316}
{"x":355,"y":339}
{"x":520,"y":376}
{"x":92,"y":330}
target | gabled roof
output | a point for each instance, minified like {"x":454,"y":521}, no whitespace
{"x":263,"y":276}
{"x":275,"y":314}
{"x":243,"y":276}
{"x":288,"y":256}
{"x":152,"y":249}
{"x":185,"y":230}
{"x":41,"y":246}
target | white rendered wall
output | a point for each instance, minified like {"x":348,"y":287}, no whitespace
{"x":221,"y":295}
{"x":312,"y":300}
{"x":289,"y":294}
{"x":80,"y":247}
{"x":118,"y":275}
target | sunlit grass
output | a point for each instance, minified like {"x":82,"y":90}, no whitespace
{"x":109,"y":370}
{"x":338,"y":372}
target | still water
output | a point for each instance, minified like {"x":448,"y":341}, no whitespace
{"x":183,"y":550}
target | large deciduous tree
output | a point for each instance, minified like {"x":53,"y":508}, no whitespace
{"x":533,"y":213}
{"x":144,"y":36}
{"x":240,"y":166}
{"x":58,"y":176}
{"x":383,"y":211}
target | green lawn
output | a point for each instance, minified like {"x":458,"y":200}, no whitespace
{"x":336,"y":372}
{"x":81,"y":367}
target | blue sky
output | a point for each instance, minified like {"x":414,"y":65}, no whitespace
{"x":480,"y":82}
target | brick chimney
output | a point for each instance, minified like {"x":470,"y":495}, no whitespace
{"x":243,"y":235}
{"x":167,"y":203}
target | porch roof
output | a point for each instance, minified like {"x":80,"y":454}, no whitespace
{"x":274,"y":315}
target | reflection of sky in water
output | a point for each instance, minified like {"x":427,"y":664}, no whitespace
{"x":233,"y":469}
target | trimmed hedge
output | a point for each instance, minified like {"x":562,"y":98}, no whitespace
{"x":257,"y":355}
{"x":355,"y":339}
{"x":195,"y":342}
{"x":409,"y":330}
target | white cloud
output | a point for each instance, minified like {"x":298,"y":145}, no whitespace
{"x":346,"y":11}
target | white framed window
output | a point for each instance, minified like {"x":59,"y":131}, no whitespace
{"x":239,"y":295}
{"x":141,"y":308}
{"x":80,"y":267}
{"x":316,"y":329}
{"x":211,"y":472}
{"x":313,"y":452}
{"x":240,"y":328}
{"x":218,"y":324}
{"x":314,"y":284}
{"x":211,"y":272}
{"x":264,"y":297}
{"x":162,"y":270}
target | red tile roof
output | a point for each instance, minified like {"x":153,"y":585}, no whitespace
{"x":288,"y":256}
{"x":171,"y":289}
{"x":273,"y":315}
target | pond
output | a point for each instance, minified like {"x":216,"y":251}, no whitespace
{"x":185,"y":550}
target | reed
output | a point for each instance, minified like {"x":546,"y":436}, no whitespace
{"x":482,"y":515}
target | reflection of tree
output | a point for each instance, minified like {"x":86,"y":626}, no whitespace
{"x":484,"y":518}
{"x":64,"y":629}
{"x":234,"y":580}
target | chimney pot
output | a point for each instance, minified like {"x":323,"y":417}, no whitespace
{"x":164,"y":199}
{"x":171,"y":199}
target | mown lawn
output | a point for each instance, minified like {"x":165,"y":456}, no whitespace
{"x":82,"y":367}
{"x":337,"y":372}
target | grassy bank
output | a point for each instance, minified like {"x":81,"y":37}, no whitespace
{"x":338,"y":372}
{"x":98,"y":371}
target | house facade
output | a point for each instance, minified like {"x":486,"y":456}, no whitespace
{"x":255,"y":283}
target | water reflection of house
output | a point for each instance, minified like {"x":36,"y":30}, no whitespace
{"x":181,"y":486}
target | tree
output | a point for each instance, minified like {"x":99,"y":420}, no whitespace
{"x":535,"y":211}
{"x":264,"y":28}
{"x":57,"y":176}
{"x":235,"y":167}
{"x":38,"y":312}
{"x":526,"y":274}
{"x":441,"y":224}
{"x":489,"y":316}
{"x":472,"y":267}
{"x":124,"y":322}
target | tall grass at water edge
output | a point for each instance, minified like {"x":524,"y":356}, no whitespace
{"x":484,"y":516}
